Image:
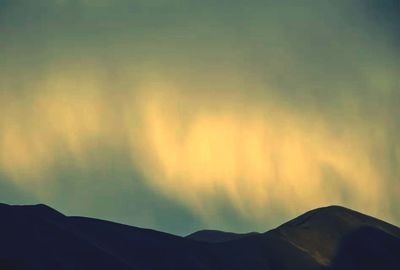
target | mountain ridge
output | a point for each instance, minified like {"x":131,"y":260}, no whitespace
{"x":40,"y":237}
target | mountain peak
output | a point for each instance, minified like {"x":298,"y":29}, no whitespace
{"x":36,"y":210}
{"x":318,"y":232}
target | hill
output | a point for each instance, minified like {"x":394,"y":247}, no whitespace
{"x":330,"y":238}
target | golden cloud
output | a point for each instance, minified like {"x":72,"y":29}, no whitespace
{"x":196,"y":149}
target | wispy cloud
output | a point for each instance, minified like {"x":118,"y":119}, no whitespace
{"x":267,"y":115}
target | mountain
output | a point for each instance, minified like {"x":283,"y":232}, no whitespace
{"x":320,"y":232}
{"x":330,"y":238}
{"x":215,"y":236}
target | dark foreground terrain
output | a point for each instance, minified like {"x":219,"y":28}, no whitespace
{"x":39,"y":237}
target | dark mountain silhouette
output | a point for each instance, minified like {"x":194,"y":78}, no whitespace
{"x":367,"y":248}
{"x":330,"y":238}
{"x":215,"y":236}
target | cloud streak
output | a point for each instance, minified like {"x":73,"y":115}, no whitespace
{"x":265,"y":116}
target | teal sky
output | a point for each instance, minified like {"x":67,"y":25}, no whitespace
{"x":179,"y":115}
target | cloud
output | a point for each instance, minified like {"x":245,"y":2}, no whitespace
{"x":242,"y":112}
{"x":257,"y":156}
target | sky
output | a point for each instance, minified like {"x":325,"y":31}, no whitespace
{"x":179,"y":115}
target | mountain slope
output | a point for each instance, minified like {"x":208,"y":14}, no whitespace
{"x":39,"y":237}
{"x":319,"y":232}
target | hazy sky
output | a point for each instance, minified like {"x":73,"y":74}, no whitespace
{"x":184,"y":114}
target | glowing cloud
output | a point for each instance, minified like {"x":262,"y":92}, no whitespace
{"x":265,"y":115}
